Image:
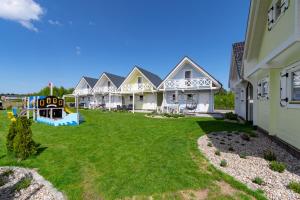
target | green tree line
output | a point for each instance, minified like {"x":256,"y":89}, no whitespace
{"x":224,"y":100}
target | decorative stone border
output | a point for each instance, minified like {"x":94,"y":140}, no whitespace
{"x":233,"y":148}
{"x":38,"y":188}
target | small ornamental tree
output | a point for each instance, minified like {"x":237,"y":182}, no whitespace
{"x":12,"y":132}
{"x":19,"y":139}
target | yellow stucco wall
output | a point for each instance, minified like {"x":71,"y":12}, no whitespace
{"x":133,"y":79}
{"x":281,"y":31}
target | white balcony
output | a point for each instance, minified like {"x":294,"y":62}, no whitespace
{"x":137,"y":87}
{"x":193,"y":83}
{"x":103,"y":90}
{"x":82,"y":92}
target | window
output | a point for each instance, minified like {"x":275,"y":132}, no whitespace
{"x":141,"y":98}
{"x":108,"y":83}
{"x":89,"y":98}
{"x":189,"y":97}
{"x":264,"y":88}
{"x":187,"y":74}
{"x":174,"y":97}
{"x":87,"y":86}
{"x":139,"y":80}
{"x":296,"y":86}
{"x":130,"y":98}
{"x":277,"y":8}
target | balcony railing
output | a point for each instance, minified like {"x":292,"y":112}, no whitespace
{"x":101,"y":90}
{"x":83,"y":91}
{"x":193,"y":83}
{"x":138,"y":87}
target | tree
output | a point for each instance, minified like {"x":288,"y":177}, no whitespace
{"x":19,"y":139}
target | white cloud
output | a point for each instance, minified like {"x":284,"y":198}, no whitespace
{"x":24,"y":12}
{"x":54,"y":22}
{"x":78,"y":50}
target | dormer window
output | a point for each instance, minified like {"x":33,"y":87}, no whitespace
{"x":278,"y":8}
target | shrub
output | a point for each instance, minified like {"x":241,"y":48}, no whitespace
{"x":245,"y":137}
{"x":243,"y":155}
{"x":19,"y":139}
{"x":258,"y":181}
{"x":231,"y":116}
{"x":12,"y":132}
{"x":295,"y":186}
{"x":223,"y":163}
{"x":209,"y":144}
{"x":217,"y":152}
{"x":24,"y":183}
{"x":277,"y":166}
{"x":269,"y":155}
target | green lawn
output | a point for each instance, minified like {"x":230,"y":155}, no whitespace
{"x":125,"y":155}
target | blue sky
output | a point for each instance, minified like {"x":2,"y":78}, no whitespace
{"x":62,"y":40}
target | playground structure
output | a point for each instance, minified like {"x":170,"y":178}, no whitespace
{"x":50,"y":110}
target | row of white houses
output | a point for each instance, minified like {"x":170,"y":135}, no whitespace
{"x":187,"y":88}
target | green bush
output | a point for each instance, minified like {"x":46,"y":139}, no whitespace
{"x":258,"y":181}
{"x":231,"y":116}
{"x":217,"y":152}
{"x":223,"y":163}
{"x":12,"y":132}
{"x":19,"y":139}
{"x":243,"y":155}
{"x":269,"y":155}
{"x":295,"y":186}
{"x":25,"y":183}
{"x":277,"y":166}
{"x":224,"y":100}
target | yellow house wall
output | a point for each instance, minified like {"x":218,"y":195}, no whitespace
{"x":281,"y":31}
{"x":134,"y":79}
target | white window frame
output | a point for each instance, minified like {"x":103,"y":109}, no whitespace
{"x":289,"y":86}
{"x":139,"y":78}
{"x":188,"y":70}
{"x":272,"y":18}
{"x":191,"y":95}
{"x":264,"y":95}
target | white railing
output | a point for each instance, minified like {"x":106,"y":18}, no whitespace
{"x":106,"y":89}
{"x":137,"y":87}
{"x":83,"y":91}
{"x":193,"y":83}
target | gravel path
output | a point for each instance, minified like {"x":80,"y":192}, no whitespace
{"x":38,"y":188}
{"x":231,"y":146}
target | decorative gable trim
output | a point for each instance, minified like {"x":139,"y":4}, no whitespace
{"x":180,"y":64}
{"x":102,"y":75}
{"x":82,"y":78}
{"x":132,"y":71}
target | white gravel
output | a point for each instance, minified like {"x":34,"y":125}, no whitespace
{"x":245,"y":170}
{"x":39,"y":188}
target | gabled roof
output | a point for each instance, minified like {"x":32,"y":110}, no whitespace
{"x":238,"y":52}
{"x":187,"y":59}
{"x":115,"y":79}
{"x":155,"y":79}
{"x":91,"y":81}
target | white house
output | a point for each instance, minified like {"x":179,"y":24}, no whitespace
{"x":84,"y":91}
{"x":242,"y":89}
{"x":105,"y":91}
{"x":139,"y":90}
{"x":188,"y":87}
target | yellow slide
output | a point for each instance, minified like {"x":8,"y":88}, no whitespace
{"x":67,"y":110}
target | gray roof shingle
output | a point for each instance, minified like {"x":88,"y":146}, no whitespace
{"x":115,"y":79}
{"x":238,"y":52}
{"x":155,"y":79}
{"x":91,"y":81}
